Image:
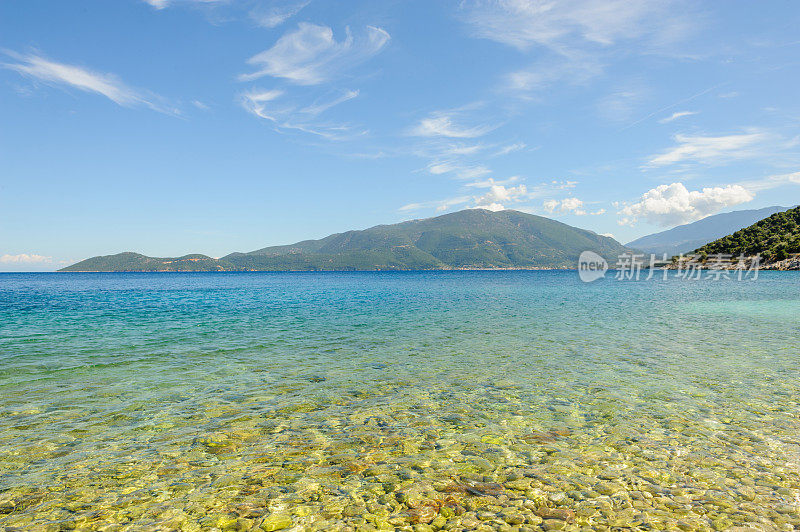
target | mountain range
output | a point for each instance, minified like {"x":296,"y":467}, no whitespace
{"x":468,"y":239}
{"x":686,"y":238}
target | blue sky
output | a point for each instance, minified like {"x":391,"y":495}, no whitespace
{"x":211,"y":126}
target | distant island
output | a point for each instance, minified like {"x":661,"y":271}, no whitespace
{"x":468,"y":239}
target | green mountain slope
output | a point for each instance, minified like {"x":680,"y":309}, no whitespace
{"x":135,"y":262}
{"x":684,"y":238}
{"x":774,"y":238}
{"x":473,"y":238}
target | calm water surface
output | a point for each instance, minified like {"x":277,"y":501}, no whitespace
{"x":409,"y":401}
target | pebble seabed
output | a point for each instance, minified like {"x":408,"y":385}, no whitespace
{"x":397,"y":414}
{"x":410,"y":459}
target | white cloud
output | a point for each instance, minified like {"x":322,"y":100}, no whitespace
{"x":573,"y":38}
{"x":442,"y":124}
{"x":505,"y":150}
{"x":200,"y":105}
{"x":576,"y":68}
{"x":569,"y":205}
{"x":440,"y":205}
{"x":461,"y":149}
{"x":492,"y":182}
{"x":319,"y":108}
{"x":500,"y":195}
{"x":620,"y":106}
{"x":108,"y":85}
{"x":711,"y":149}
{"x":255,"y":101}
{"x":773,"y":181}
{"x":24,"y":258}
{"x":461,"y":171}
{"x":527,"y":23}
{"x":263,"y":104}
{"x":161,"y":4}
{"x":473,"y":172}
{"x":675,"y":116}
{"x":491,"y":207}
{"x":277,"y":14}
{"x":310,"y":55}
{"x":668,"y":205}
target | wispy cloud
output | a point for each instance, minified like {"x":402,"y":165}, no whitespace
{"x":770,"y":182}
{"x":275,"y":15}
{"x":492,"y":182}
{"x":675,"y":116}
{"x":320,"y":107}
{"x":462,"y":171}
{"x":524,"y":24}
{"x":510,"y":148}
{"x":161,"y":4}
{"x":573,"y":68}
{"x":711,"y":150}
{"x":668,"y":205}
{"x":286,"y":116}
{"x":443,"y":124}
{"x":310,"y":55}
{"x":439,"y":205}
{"x":619,"y":106}
{"x":573,"y":39}
{"x":61,"y":74}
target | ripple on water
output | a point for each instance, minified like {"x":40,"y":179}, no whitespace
{"x":398,"y":401}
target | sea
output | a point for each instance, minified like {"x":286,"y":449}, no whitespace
{"x":435,"y":400}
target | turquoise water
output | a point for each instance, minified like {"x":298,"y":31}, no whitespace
{"x":407,"y":400}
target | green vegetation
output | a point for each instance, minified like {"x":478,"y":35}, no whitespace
{"x":135,"y":262}
{"x":473,"y":238}
{"x":774,"y":238}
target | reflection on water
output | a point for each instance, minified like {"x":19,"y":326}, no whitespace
{"x":411,"y":401}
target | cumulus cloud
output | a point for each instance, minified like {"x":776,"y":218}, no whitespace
{"x":310,"y":55}
{"x":24,"y":258}
{"x":674,"y":204}
{"x":499,"y":195}
{"x":711,"y":149}
{"x":496,"y":198}
{"x":108,"y":85}
{"x":569,"y":205}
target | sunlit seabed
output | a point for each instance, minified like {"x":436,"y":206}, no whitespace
{"x":439,"y":400}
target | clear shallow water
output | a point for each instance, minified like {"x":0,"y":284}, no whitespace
{"x":454,"y":400}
